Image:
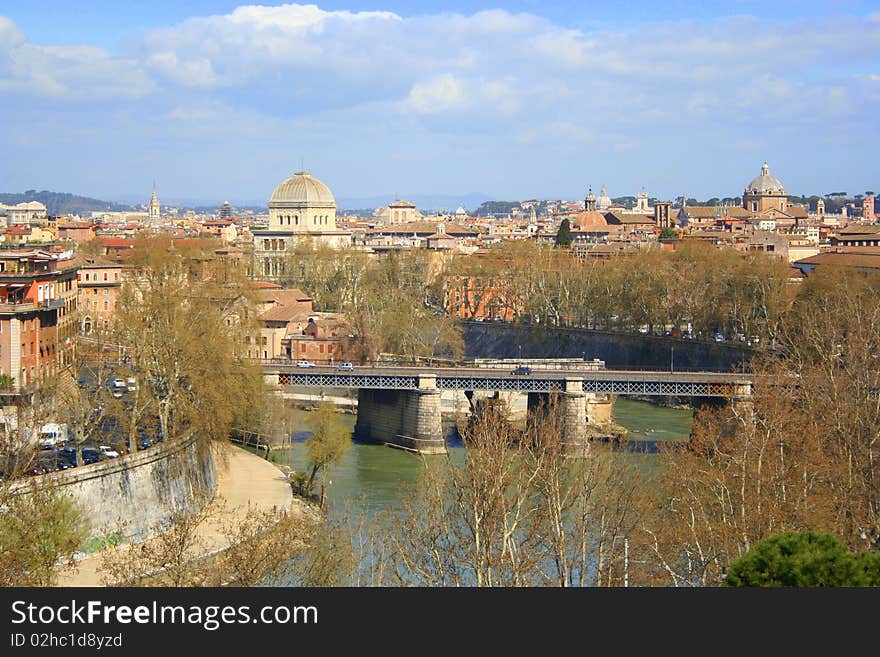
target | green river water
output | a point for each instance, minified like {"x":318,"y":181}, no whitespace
{"x":369,"y":477}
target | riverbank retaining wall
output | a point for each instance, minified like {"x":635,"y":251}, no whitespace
{"x":618,"y":350}
{"x":136,"y":494}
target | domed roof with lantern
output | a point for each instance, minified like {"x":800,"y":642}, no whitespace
{"x":302,"y":190}
{"x":765,"y":183}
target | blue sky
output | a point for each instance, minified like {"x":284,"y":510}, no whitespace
{"x":217,"y":100}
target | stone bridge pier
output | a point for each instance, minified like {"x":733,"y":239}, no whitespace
{"x":741,"y":400}
{"x":409,"y":419}
{"x":571,"y":406}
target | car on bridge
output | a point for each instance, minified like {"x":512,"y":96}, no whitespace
{"x":345,"y":366}
{"x":305,"y":363}
{"x":522,"y":370}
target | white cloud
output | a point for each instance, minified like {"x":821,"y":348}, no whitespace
{"x":495,"y":80}
{"x":74,"y":72}
{"x":194,"y":72}
{"x":438,"y":95}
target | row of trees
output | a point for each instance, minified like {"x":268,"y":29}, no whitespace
{"x":712,"y":289}
{"x":392,"y":302}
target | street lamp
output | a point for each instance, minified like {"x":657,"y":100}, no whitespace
{"x":672,"y":359}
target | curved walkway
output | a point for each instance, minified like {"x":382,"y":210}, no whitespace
{"x":243,"y":479}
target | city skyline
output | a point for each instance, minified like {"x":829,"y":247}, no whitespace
{"x":508,"y":100}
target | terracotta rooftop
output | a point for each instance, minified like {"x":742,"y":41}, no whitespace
{"x":285,"y":297}
{"x":861,"y":260}
{"x":284,"y":313}
{"x":629,"y":218}
{"x":588,"y":219}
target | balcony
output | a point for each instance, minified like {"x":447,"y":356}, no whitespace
{"x":30,"y":306}
{"x":15,"y":308}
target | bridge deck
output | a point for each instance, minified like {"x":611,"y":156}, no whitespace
{"x":700,"y":384}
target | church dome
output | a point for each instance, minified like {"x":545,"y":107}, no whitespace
{"x":765,"y":183}
{"x":302,"y":190}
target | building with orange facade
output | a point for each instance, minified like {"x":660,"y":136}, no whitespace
{"x":99,"y":281}
{"x":290,"y":328}
{"x":38,"y":311}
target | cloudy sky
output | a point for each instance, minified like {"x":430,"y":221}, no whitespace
{"x":217,"y":100}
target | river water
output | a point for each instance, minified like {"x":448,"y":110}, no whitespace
{"x":369,"y":477}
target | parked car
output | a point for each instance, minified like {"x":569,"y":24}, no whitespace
{"x":304,"y":363}
{"x":345,"y":366}
{"x":131,"y":384}
{"x":719,"y":337}
{"x":69,"y":455}
{"x":522,"y":370}
{"x":108,"y":452}
{"x":90,"y":455}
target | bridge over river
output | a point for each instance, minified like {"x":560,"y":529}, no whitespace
{"x":402,"y":404}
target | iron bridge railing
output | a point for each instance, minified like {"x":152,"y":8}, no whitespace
{"x":617,"y":386}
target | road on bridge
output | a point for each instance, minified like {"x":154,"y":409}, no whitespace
{"x":536,"y":373}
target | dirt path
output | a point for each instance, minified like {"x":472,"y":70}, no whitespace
{"x":243,"y":478}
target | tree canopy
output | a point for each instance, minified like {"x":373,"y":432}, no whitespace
{"x":803,"y":559}
{"x":563,"y":237}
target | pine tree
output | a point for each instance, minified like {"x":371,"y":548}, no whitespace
{"x":563,"y":237}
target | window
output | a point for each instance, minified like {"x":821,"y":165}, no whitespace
{"x":105,"y":276}
{"x":106,"y":305}
{"x":264,"y":341}
{"x":106,"y":291}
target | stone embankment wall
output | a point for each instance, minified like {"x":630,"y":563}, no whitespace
{"x":618,"y":350}
{"x":138,"y":493}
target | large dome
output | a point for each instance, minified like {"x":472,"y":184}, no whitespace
{"x":765,"y":183}
{"x":302,"y":190}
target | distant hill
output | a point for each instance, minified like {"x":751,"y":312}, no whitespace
{"x":497,"y":207}
{"x":58,"y":203}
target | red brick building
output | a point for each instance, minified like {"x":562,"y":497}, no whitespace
{"x":38,"y":311}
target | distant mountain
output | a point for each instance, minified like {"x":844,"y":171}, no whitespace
{"x":58,"y":203}
{"x":424,"y":202}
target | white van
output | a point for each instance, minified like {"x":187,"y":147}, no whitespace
{"x":52,"y":434}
